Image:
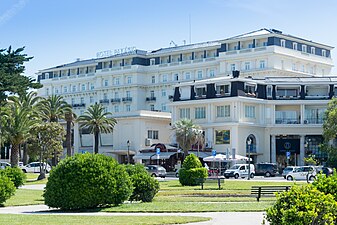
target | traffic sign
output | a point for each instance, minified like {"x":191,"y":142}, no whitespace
{"x":288,"y":155}
{"x":213,"y":152}
{"x":158,"y":151}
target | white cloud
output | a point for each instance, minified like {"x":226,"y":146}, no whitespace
{"x":12,"y":11}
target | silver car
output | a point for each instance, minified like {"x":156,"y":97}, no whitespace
{"x":156,"y":171}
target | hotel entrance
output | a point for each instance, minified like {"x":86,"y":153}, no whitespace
{"x":287,"y":150}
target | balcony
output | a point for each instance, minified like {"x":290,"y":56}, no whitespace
{"x":287,"y":121}
{"x":78,"y":105}
{"x":115,"y":100}
{"x":318,"y":120}
{"x":127,"y":99}
{"x":150,"y":99}
{"x":104,"y":101}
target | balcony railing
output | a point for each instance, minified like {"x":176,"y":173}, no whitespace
{"x":313,"y":121}
{"x":127,"y":99}
{"x":287,"y":121}
{"x":150,"y":99}
{"x":104,"y":101}
{"x":78,"y":105}
{"x":115,"y":100}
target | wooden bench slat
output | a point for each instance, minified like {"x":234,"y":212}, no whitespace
{"x":267,"y":190}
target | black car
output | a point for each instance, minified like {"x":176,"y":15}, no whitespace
{"x":325,"y":170}
{"x":266,"y":169}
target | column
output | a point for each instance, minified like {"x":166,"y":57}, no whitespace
{"x":76,"y":138}
{"x":302,"y":150}
{"x":273,"y":149}
{"x":209,"y":137}
{"x":302,"y":114}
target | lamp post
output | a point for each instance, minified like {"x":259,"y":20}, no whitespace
{"x":128,"y":144}
{"x":249,"y":142}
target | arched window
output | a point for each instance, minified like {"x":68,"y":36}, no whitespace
{"x":251,"y":145}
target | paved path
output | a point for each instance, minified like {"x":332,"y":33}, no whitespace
{"x":218,"y":218}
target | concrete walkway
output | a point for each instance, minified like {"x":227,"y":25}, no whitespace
{"x":218,"y":218}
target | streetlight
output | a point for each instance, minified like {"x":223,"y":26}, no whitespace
{"x":128,"y":144}
{"x":249,"y":142}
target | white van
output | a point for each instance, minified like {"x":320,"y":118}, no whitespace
{"x":240,"y":170}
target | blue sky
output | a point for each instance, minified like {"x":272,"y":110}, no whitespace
{"x":59,"y":31}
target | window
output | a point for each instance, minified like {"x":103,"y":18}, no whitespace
{"x":211,"y":73}
{"x":269,"y":91}
{"x":56,"y":90}
{"x":92,"y":86}
{"x":176,"y":77}
{"x":116,"y":95}
{"x":72,"y":101}
{"x":116,"y":108}
{"x":249,"y":111}
{"x":262,"y":64}
{"x":222,"y":90}
{"x":152,"y":94}
{"x":223,"y":111}
{"x":236,"y":47}
{"x":184,"y":113}
{"x":129,"y":80}
{"x":65,"y":89}
{"x":222,"y":137}
{"x":47,"y":76}
{"x":152,"y":62}
{"x":295,"y":46}
{"x":250,"y":45}
{"x":82,"y":100}
{"x":304,"y":48}
{"x":128,"y":94}
{"x":117,"y":81}
{"x":128,"y":108}
{"x":74,"y":88}
{"x":247,"y":65}
{"x":91,"y":99}
{"x":153,"y":134}
{"x":153,"y":79}
{"x":323,"y":52}
{"x":152,"y":107}
{"x":200,"y":91}
{"x":294,"y":67}
{"x":250,"y":88}
{"x":233,"y":67}
{"x":106,"y":83}
{"x":199,"y":74}
{"x":83,"y":87}
{"x":312,"y":50}
{"x":163,"y":93}
{"x":283,"y":43}
{"x":165,"y":78}
{"x":163,"y":107}
{"x":105,"y":96}
{"x":187,"y":75}
{"x":200,"y":113}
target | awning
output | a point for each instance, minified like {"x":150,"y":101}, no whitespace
{"x":201,"y":154}
{"x":153,"y":155}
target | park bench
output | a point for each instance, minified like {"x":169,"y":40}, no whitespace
{"x":267,"y":190}
{"x":216,"y":180}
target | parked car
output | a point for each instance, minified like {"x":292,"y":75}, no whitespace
{"x":3,"y":165}
{"x":34,"y":167}
{"x":266,"y":169}
{"x":302,"y":173}
{"x":287,"y":170}
{"x":325,"y":170}
{"x":156,"y":171}
{"x":240,"y":170}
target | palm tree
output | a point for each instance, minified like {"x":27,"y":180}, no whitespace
{"x":17,"y":125}
{"x":96,"y":120}
{"x":53,"y":109}
{"x":186,"y":133}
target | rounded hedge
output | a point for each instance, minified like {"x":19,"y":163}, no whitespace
{"x":87,"y":181}
{"x":302,"y":205}
{"x":7,"y":188}
{"x":15,"y":174}
{"x":145,"y":186}
{"x":192,"y":171}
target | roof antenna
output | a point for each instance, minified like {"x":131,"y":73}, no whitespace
{"x":190,"y":28}
{"x":173,"y":43}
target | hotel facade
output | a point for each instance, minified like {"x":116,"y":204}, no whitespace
{"x":265,"y":86}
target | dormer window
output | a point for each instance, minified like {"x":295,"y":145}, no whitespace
{"x":152,"y":62}
{"x":295,"y":46}
{"x":250,"y":89}
{"x":283,"y":43}
{"x":222,"y":90}
{"x":312,"y":50}
{"x":324,"y":53}
{"x":304,"y":48}
{"x":200,"y":91}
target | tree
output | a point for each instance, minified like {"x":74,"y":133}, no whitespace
{"x":47,"y":139}
{"x":53,"y":109}
{"x":17,"y":123}
{"x":330,"y":132}
{"x":186,"y":133}
{"x":97,"y":121}
{"x":11,"y":68}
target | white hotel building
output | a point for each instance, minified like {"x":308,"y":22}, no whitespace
{"x":276,"y":95}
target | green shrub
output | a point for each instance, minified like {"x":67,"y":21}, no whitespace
{"x":16,"y":175}
{"x":145,"y":186}
{"x":191,"y":162}
{"x":302,"y":205}
{"x":192,"y":171}
{"x":87,"y":181}
{"x":7,"y":188}
{"x":327,"y":185}
{"x":192,"y":177}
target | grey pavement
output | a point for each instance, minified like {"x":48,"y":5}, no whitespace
{"x":218,"y":218}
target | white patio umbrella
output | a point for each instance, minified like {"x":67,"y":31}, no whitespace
{"x":217,"y":158}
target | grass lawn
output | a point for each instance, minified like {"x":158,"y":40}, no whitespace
{"x":32,"y":179}
{"x":89,"y":220}
{"x":25,"y":197}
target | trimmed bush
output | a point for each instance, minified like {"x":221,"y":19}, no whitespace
{"x":302,"y":205}
{"x":7,"y":188}
{"x":192,"y":171}
{"x":16,"y":175}
{"x":327,"y":185}
{"x":145,"y":186}
{"x":87,"y":181}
